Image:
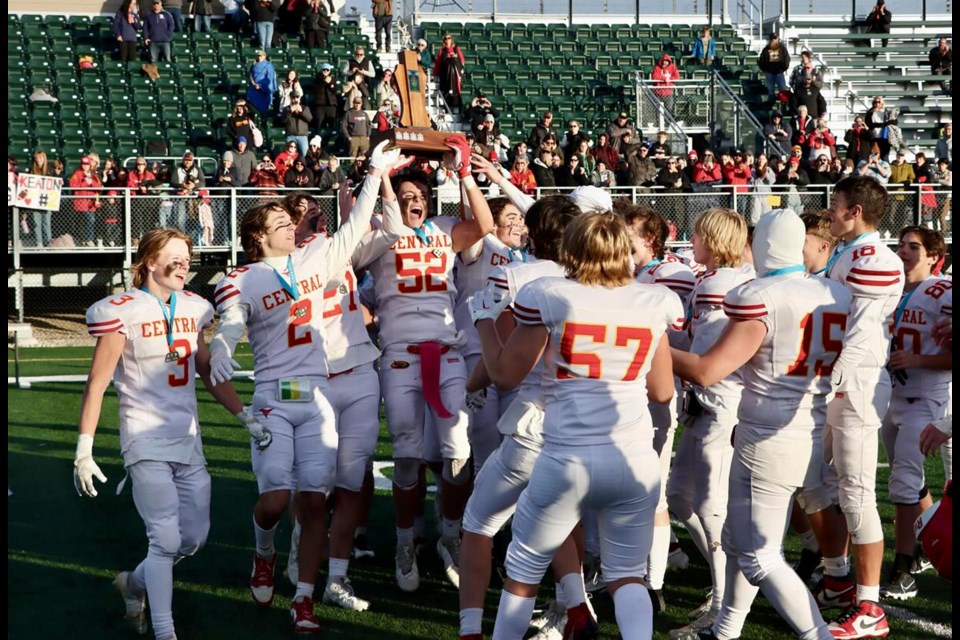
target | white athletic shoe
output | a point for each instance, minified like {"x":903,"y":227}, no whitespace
{"x":408,"y":575}
{"x":691,"y":631}
{"x":136,"y":608}
{"x":449,"y":550}
{"x":550,"y":625}
{"x":339,"y":591}
{"x":677,"y":560}
{"x":552,"y":610}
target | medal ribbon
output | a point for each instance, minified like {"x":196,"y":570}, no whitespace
{"x":839,"y":251}
{"x":168,"y":313}
{"x":289,"y":287}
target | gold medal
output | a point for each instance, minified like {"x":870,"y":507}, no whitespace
{"x":438,"y":252}
{"x":300,"y":311}
{"x":343,"y":289}
{"x":172,"y":356}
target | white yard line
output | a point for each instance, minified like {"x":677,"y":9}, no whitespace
{"x":936,"y":628}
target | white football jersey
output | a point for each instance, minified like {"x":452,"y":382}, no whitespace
{"x":600,"y":349}
{"x":685,"y":256}
{"x":929,"y":302}
{"x":348,"y":343}
{"x":287,"y":336}
{"x":874,"y":274}
{"x":806,"y":317}
{"x":472,"y":277}
{"x":158,"y":398}
{"x":708,"y":320}
{"x":671,"y":273}
{"x":415,"y":286}
{"x":511,"y":279}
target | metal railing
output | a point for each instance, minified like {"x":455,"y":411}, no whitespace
{"x":103,"y":265}
{"x":668,"y":109}
{"x":734,"y":121}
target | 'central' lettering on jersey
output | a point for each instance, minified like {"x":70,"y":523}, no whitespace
{"x":413,"y":242}
{"x":496,"y":259}
{"x":158,"y":328}
{"x":914,"y":316}
{"x":281,"y":296}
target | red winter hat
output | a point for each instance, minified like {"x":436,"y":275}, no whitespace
{"x":493,"y":157}
{"x":794,"y":160}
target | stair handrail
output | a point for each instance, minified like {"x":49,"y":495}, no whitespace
{"x":744,"y":111}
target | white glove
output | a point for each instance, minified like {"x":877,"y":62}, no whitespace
{"x":382,"y":159}
{"x":487,"y":304}
{"x":222,"y":365}
{"x":85,"y":469}
{"x":475,"y":400}
{"x":258,"y":433}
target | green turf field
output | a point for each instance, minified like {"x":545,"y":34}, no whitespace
{"x":63,"y":551}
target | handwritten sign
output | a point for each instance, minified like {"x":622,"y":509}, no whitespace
{"x":35,"y":192}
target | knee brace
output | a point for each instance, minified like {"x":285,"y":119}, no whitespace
{"x":456,"y":471}
{"x":406,"y":473}
{"x":864,"y":526}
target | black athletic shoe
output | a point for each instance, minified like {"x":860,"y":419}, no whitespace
{"x":902,"y":586}
{"x":656,"y":597}
{"x":807,"y":564}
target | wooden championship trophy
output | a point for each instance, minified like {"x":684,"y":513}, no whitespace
{"x":416,"y":135}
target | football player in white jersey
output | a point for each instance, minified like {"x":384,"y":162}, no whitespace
{"x":697,"y":487}
{"x":648,"y":232}
{"x":474,"y":265}
{"x":818,"y":500}
{"x":874,"y":275}
{"x":279,"y":299}
{"x":601,"y":336}
{"x":922,"y":372}
{"x":150,"y":342}
{"x":499,"y":483}
{"x":422,"y":367}
{"x":784,"y":334}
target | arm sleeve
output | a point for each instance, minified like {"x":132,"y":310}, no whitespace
{"x":345,"y":241}
{"x":527,"y":307}
{"x":871,"y":282}
{"x":104,"y":317}
{"x":746,"y":303}
{"x":519,"y":199}
{"x":233,"y":320}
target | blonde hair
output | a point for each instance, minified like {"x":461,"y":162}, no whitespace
{"x":151,"y":244}
{"x":596,"y":250}
{"x":724,"y":233}
{"x":818,"y":225}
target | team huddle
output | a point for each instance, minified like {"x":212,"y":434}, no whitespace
{"x":537,"y":357}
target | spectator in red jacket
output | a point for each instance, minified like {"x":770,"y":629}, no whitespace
{"x":265,"y":177}
{"x":448,"y":68}
{"x":664,"y":76}
{"x":737,"y":172}
{"x":86,"y":185}
{"x":522,"y":177}
{"x":285,"y":158}
{"x":707,"y":170}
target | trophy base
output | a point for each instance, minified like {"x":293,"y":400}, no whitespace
{"x":423,"y":143}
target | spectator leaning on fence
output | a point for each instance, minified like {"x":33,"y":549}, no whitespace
{"x":945,"y":144}
{"x":901,"y":171}
{"x":158,"y":28}
{"x":602,"y":176}
{"x":331,"y":178}
{"x":774,"y":61}
{"x":664,"y":77}
{"x":704,"y":48}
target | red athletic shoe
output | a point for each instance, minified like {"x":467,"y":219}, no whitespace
{"x":865,"y":620}
{"x":580,"y":624}
{"x":261,"y":580}
{"x":835,"y":593}
{"x":303,"y":619}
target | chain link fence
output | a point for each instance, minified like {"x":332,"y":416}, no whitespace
{"x":102,"y":233}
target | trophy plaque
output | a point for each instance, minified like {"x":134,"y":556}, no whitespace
{"x":415,"y":135}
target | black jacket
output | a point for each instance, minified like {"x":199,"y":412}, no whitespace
{"x":879,"y":21}
{"x":774,"y":61}
{"x":941,"y":61}
{"x":542,"y":174}
{"x":263,"y":10}
{"x":811,"y":98}
{"x":325,"y":94}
